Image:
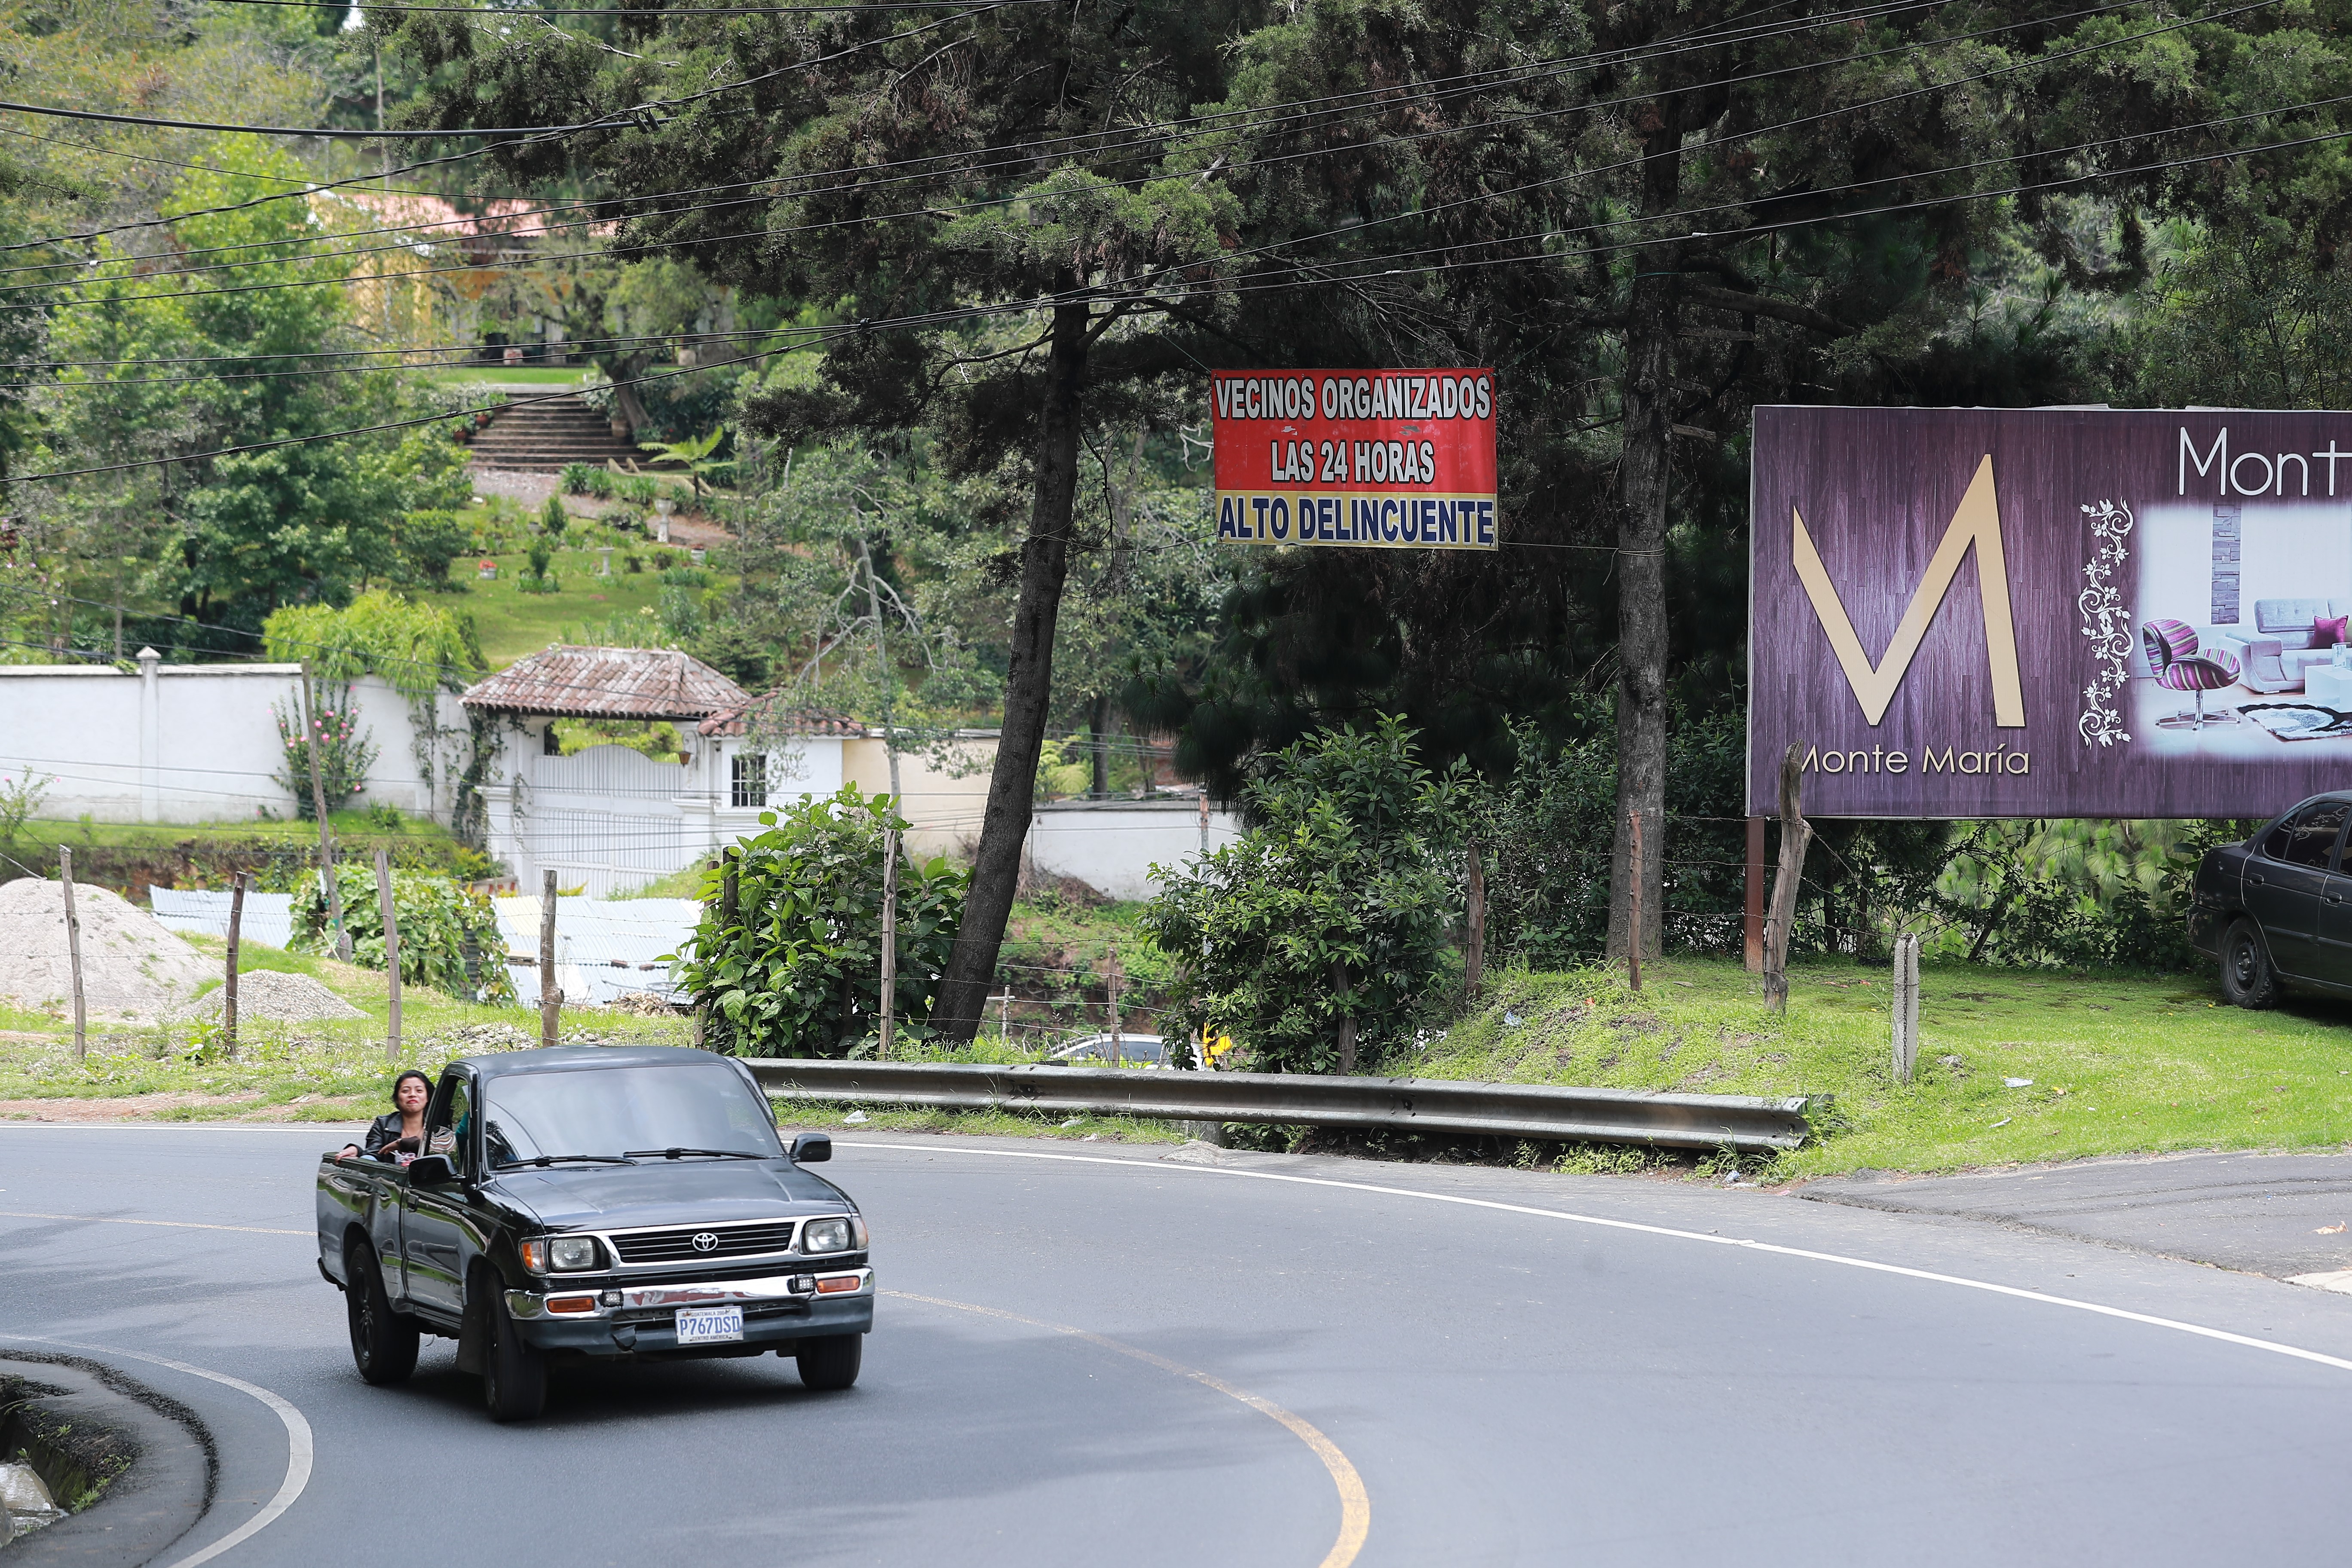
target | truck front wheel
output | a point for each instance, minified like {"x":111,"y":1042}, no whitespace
{"x":831,"y":1362}
{"x":383,"y":1343}
{"x":514,"y":1376}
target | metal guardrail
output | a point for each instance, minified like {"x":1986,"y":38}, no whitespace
{"x":1744,"y":1122}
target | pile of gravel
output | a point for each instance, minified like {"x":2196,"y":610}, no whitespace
{"x":132,"y":969}
{"x":282,"y":998}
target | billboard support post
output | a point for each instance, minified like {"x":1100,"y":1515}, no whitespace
{"x":1751,"y":918}
{"x":1796,"y":832}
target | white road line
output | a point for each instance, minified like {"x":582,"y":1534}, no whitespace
{"x":167,"y":1224}
{"x":299,"y":1448}
{"x":2199,"y":1330}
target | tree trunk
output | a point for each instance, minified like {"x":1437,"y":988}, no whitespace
{"x":1099,"y":721}
{"x":1645,"y":477}
{"x":1028,"y":685}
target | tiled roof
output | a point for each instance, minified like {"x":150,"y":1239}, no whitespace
{"x":775,"y":717}
{"x":565,"y":682}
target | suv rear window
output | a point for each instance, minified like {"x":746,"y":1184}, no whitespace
{"x":2308,"y":837}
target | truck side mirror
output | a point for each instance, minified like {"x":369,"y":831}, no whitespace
{"x":810,"y":1148}
{"x":431,"y":1171}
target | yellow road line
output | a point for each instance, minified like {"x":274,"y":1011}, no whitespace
{"x":166,"y":1224}
{"x":1355,"y":1504}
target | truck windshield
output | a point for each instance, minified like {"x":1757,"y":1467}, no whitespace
{"x":605,"y":1111}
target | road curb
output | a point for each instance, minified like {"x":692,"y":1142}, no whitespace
{"x":145,"y":1511}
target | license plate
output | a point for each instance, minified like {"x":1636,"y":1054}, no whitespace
{"x":709,"y":1325}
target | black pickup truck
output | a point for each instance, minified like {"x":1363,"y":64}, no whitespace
{"x":2276,"y":910}
{"x":596,"y":1203}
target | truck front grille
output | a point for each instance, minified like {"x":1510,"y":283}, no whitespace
{"x":696,"y":1244}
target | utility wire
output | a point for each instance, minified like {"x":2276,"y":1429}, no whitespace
{"x":530,"y":261}
{"x":1380,"y":97}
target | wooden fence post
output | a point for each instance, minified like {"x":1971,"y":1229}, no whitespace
{"x":1474,"y":954}
{"x":1796,"y":832}
{"x":311,"y":733}
{"x":889,"y":938}
{"x":1118,"y":1046}
{"x":1633,"y":884}
{"x":1751,"y":918}
{"x":73,"y":954}
{"x":391,"y":947}
{"x":551,"y":1000}
{"x":1907,"y":1006}
{"x":228,"y":980}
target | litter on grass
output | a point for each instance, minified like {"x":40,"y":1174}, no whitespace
{"x":2019,"y":1082}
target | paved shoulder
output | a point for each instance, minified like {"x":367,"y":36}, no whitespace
{"x":2279,"y":1214}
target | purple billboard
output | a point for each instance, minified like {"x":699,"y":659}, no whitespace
{"x":1975,"y":613}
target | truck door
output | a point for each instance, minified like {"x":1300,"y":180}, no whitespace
{"x":434,"y":1222}
{"x":2285,"y":882}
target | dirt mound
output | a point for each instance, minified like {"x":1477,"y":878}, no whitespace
{"x":131,"y":967}
{"x":285,"y":998}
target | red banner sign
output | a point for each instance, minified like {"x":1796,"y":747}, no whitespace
{"x":1385,"y":459}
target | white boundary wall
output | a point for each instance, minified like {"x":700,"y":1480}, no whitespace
{"x":196,"y":743}
{"x":1112,"y":845}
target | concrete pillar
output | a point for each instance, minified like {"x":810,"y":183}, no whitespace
{"x":151,"y":736}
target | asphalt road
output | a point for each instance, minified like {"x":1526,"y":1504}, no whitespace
{"x":1268,"y":1366}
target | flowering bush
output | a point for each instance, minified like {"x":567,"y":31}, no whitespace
{"x":345,"y":752}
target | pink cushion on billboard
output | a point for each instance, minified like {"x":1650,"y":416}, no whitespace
{"x":2325,"y":633}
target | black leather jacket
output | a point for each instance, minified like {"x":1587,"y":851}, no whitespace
{"x":383,"y":1131}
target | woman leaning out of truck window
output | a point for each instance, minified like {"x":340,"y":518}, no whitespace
{"x":399,"y":1135}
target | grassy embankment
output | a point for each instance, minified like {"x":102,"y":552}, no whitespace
{"x":2119,"y":1064}
{"x":512,"y":623}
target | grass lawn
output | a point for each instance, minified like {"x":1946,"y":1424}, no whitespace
{"x":354,"y":829}
{"x":512,"y":623}
{"x":515,"y":375}
{"x":2118,"y":1065}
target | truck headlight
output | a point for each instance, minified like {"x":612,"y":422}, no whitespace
{"x":826,"y":1235}
{"x":562,"y":1253}
{"x":571,"y":1253}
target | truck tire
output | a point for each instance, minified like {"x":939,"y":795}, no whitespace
{"x":384,"y":1343}
{"x":514,"y":1376}
{"x":830,"y":1364}
{"x":2247,"y":978}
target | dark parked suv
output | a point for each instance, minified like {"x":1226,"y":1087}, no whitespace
{"x":2277,"y":910}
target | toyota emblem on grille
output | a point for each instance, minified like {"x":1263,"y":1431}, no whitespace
{"x":705,"y":1241}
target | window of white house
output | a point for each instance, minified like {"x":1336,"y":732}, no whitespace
{"x":750,"y":779}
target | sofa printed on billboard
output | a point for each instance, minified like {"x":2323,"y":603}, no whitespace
{"x":1978,"y":612}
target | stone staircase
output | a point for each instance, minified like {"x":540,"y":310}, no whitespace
{"x":544,"y":437}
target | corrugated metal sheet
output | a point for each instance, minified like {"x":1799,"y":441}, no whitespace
{"x":268,"y":917}
{"x":602,"y":946}
{"x":568,"y":682}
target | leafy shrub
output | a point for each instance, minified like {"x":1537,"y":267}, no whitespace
{"x":20,"y":797}
{"x":579,"y":480}
{"x":448,"y":936}
{"x":634,"y":562}
{"x":1337,"y":903}
{"x":687,"y":577}
{"x":638,"y":490}
{"x":797,"y":970}
{"x":552,"y":518}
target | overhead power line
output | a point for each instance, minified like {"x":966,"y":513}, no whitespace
{"x":525,"y":261}
{"x":1481,"y":80}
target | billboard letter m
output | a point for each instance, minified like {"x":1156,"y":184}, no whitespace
{"x":1977,"y":523}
